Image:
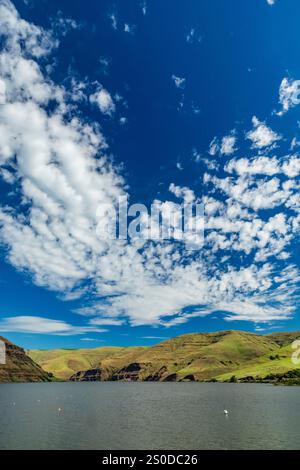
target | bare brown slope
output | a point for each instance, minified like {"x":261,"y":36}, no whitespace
{"x":19,"y":367}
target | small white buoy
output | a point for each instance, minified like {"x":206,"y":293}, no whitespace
{"x":59,"y":410}
{"x":226,"y":412}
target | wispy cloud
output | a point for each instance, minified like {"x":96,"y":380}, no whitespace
{"x":114,"y":21}
{"x":155,"y":337}
{"x":40,"y":325}
{"x":129,"y":28}
{"x":179,"y":81}
{"x":193,"y":37}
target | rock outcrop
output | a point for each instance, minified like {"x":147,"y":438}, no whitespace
{"x":156,"y":376}
{"x":128,"y":373}
{"x":90,"y":375}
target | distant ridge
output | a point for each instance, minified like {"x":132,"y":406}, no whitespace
{"x":220,"y":356}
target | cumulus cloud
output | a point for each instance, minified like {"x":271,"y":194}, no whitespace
{"x":289,"y":166}
{"x":261,"y":135}
{"x":228,"y":145}
{"x":289,"y":92}
{"x":104,"y":101}
{"x":182,"y":192}
{"x":224,"y":147}
{"x":255,"y":166}
{"x":55,"y":162}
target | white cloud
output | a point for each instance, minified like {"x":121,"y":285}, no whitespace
{"x":90,"y":340}
{"x":40,"y":325}
{"x":35,"y":40}
{"x":291,"y":166}
{"x":2,"y":92}
{"x":179,"y":81}
{"x":256,"y":166}
{"x":144,"y":7}
{"x":129,"y":28}
{"x":261,"y":136}
{"x":55,"y":163}
{"x":155,"y":337}
{"x":226,"y":147}
{"x":104,"y":101}
{"x":192,"y":36}
{"x":271,"y":2}
{"x":114,"y":21}
{"x":213,"y":147}
{"x":289,"y":92}
{"x":182,"y":192}
{"x":62,"y":26}
{"x":228,"y":144}
{"x":294,"y":143}
{"x":106,"y":321}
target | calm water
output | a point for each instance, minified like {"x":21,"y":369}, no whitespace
{"x":148,"y":416}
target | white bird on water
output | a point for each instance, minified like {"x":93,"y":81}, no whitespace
{"x":226,"y":412}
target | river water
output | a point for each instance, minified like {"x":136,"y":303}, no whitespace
{"x":117,"y":415}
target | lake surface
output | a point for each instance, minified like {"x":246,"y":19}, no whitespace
{"x":116,"y":415}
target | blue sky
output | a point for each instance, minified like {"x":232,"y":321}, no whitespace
{"x":159,"y":101}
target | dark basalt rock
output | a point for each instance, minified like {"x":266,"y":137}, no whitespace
{"x":189,"y":378}
{"x":157,"y":375}
{"x":90,"y":375}
{"x":130,"y":372}
{"x":170,"y":378}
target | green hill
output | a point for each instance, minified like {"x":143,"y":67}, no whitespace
{"x":65,"y":362}
{"x":193,"y":357}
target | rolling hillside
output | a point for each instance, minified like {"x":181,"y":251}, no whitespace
{"x":191,"y":357}
{"x":65,"y":362}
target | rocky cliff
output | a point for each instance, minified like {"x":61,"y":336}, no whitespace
{"x":19,"y":367}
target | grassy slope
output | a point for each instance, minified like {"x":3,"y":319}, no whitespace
{"x":209,"y":355}
{"x":65,"y":362}
{"x":265,"y":365}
